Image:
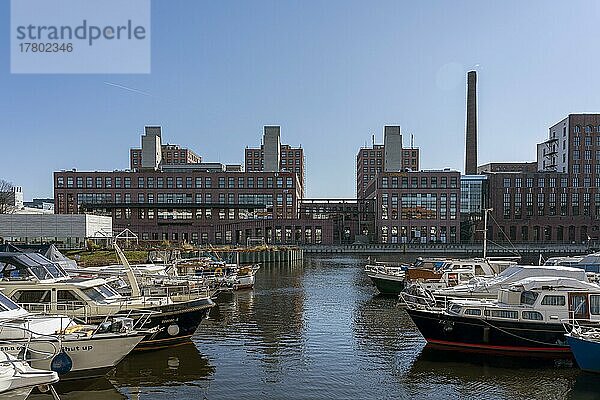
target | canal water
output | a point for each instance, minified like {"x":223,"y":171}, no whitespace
{"x":318,"y":330}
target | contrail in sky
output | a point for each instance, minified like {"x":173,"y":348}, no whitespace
{"x":129,"y":89}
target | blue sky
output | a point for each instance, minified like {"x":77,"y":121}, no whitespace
{"x":331,"y":73}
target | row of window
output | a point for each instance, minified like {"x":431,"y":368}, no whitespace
{"x":289,"y":153}
{"x":587,"y":129}
{"x":509,"y":314}
{"x":424,"y":182}
{"x":278,"y":235}
{"x":416,"y":234}
{"x":175,"y":182}
{"x":576,"y":182}
{"x":170,"y":214}
{"x":536,"y":233}
{"x":379,"y":153}
{"x":547,"y":205}
{"x":185,"y":198}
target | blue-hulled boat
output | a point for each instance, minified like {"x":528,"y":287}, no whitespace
{"x":586,"y":348}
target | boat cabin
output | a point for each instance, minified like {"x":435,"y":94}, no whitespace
{"x":541,"y":299}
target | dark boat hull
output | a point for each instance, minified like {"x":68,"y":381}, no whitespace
{"x":388,"y":286}
{"x":176,"y":323}
{"x":476,"y":334}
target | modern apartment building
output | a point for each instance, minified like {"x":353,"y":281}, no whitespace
{"x":196,"y":202}
{"x":559,"y":201}
{"x":389,"y":156}
{"x":416,"y":206}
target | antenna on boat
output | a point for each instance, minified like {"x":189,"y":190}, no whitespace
{"x":135,"y":287}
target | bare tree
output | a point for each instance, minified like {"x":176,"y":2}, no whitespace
{"x":7,"y":197}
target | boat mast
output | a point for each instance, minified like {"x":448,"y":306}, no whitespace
{"x":485,"y":221}
{"x":135,"y":287}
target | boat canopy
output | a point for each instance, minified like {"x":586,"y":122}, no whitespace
{"x":541,"y":282}
{"x":54,"y":255}
{"x":514,"y":274}
{"x":590,"y":263}
{"x":24,"y":266}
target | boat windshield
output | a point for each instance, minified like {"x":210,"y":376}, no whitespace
{"x":24,"y":265}
{"x":6,"y":304}
{"x":101,"y":293}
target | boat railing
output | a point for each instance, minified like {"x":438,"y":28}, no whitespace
{"x":581,"y":325}
{"x":419,"y":301}
{"x":385,"y":270}
{"x":71,"y":308}
{"x":26,"y":352}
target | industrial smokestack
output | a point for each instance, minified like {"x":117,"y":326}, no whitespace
{"x":471,"y":137}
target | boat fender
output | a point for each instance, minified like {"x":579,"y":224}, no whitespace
{"x":61,"y":363}
{"x":173,"y":330}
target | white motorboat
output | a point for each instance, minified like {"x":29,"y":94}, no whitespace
{"x":41,"y":286}
{"x":60,"y":344}
{"x":18,"y":379}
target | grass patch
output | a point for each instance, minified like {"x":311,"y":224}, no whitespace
{"x":98,"y":258}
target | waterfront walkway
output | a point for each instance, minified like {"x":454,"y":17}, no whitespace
{"x":458,"y":249}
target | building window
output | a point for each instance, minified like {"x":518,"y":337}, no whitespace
{"x":529,"y":182}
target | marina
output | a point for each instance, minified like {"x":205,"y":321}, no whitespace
{"x":306,"y":331}
{"x":299,"y":200}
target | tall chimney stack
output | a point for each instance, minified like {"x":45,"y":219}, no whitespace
{"x":471,"y":142}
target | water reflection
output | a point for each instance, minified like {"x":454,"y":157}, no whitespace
{"x":460,"y":374}
{"x":319,"y":330}
{"x":176,"y":365}
{"x":587,"y":386}
{"x":83,"y":389}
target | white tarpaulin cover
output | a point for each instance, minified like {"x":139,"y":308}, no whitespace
{"x":514,"y":274}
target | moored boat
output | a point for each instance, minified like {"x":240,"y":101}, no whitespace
{"x":60,"y":344}
{"x":526,"y":319}
{"x":18,"y":379}
{"x":389,"y":279}
{"x":585,"y":345}
{"x":431,"y":273}
{"x":40,"y":286}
